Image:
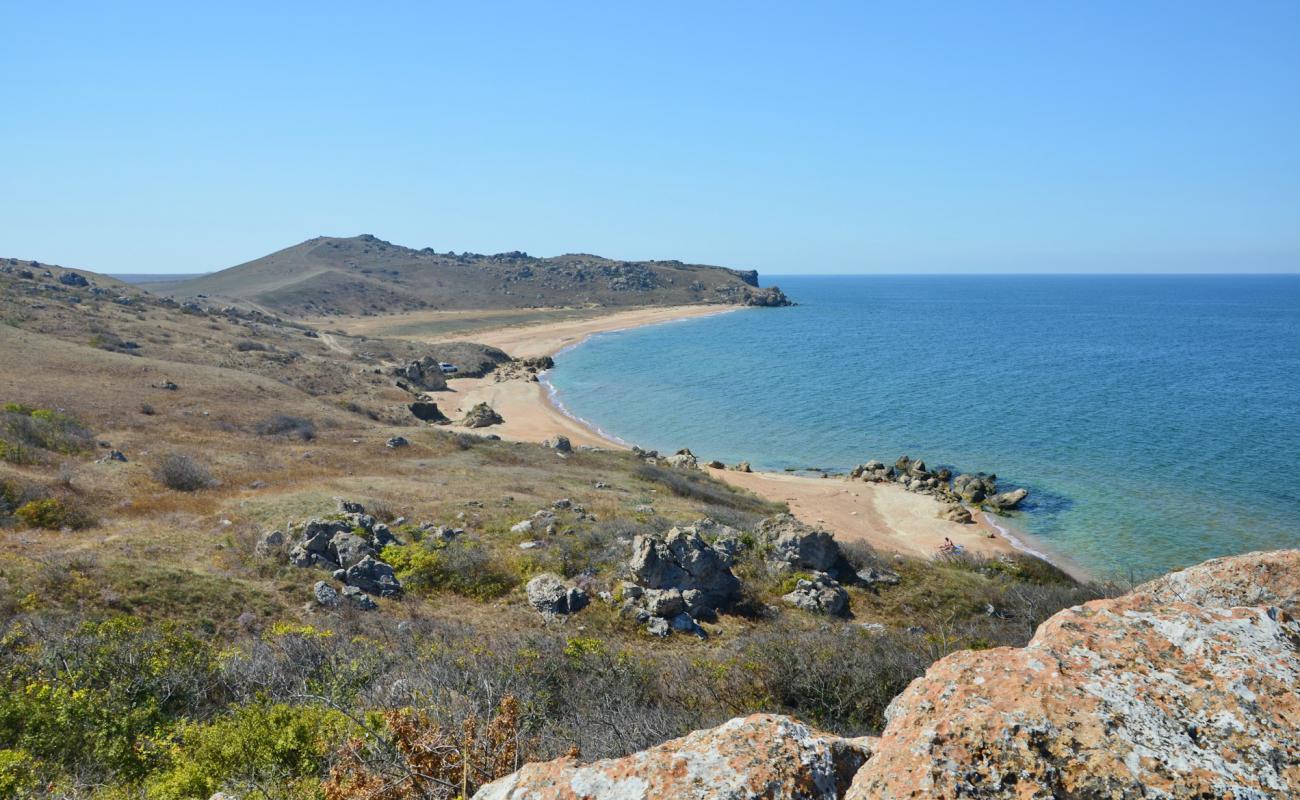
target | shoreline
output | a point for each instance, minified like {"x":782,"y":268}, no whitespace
{"x":885,"y":516}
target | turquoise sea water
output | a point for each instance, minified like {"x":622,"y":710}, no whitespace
{"x":1155,"y":420}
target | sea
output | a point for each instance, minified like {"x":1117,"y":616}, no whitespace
{"x":1155,"y":420}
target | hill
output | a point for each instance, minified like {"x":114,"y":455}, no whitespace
{"x":366,"y":275}
{"x":168,"y":478}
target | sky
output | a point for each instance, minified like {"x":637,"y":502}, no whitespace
{"x":785,"y":137}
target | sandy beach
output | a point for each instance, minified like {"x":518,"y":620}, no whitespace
{"x":886,"y":516}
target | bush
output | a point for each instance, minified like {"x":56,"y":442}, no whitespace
{"x":182,"y":473}
{"x":147,"y":410}
{"x":286,"y":425}
{"x":695,"y":485}
{"x":272,"y":750}
{"x":25,"y":431}
{"x":53,"y":513}
{"x":463,"y":566}
{"x":247,"y":346}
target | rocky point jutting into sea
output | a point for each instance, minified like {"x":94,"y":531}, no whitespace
{"x":1183,"y":688}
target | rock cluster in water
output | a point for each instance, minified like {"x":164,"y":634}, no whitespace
{"x":955,"y":492}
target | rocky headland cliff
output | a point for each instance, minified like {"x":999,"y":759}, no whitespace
{"x":1185,"y":687}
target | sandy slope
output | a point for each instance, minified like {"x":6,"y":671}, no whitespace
{"x":886,"y":516}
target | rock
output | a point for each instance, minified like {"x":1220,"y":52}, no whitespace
{"x":481,"y":416}
{"x":427,"y":411}
{"x":524,"y":526}
{"x":396,"y":442}
{"x":658,"y":626}
{"x":1008,"y":500}
{"x":73,"y":279}
{"x":549,"y":594}
{"x":374,"y":576}
{"x":760,"y":756}
{"x":685,"y":623}
{"x":682,"y":459}
{"x":325,"y":594}
{"x":1184,"y":688}
{"x":423,"y":374}
{"x":359,"y":599}
{"x":716,"y":464}
{"x":643,"y":509}
{"x":974,"y":488}
{"x":562,"y":504}
{"x":796,"y":546}
{"x":957,"y":513}
{"x":666,"y":603}
{"x":347,"y":549}
{"x":742,"y":467}
{"x":683,"y":560}
{"x":270,"y":544}
{"x":560,"y":443}
{"x":821,"y":595}
{"x":873,"y":577}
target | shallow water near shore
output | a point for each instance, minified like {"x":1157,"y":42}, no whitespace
{"x":1154,"y":419}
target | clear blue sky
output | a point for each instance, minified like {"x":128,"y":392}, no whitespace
{"x":791,"y":137}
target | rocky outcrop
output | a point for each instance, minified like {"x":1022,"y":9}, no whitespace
{"x":423,"y":374}
{"x":680,"y":578}
{"x":794,"y":546}
{"x":559,"y":443}
{"x":427,"y":411}
{"x":1184,"y":688}
{"x":683,"y":459}
{"x":760,"y":756}
{"x":481,"y":416}
{"x":347,"y":545}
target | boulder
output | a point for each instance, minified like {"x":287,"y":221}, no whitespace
{"x":974,"y":488}
{"x":324,"y":594}
{"x":1008,"y":500}
{"x":796,"y":546}
{"x":682,"y":560}
{"x":760,"y":756}
{"x":271,"y":544}
{"x":1184,"y":688}
{"x":682,"y":459}
{"x":743,"y":467}
{"x":874,"y":577}
{"x":396,"y":442}
{"x":956,"y":512}
{"x":346,"y":549}
{"x":73,"y":279}
{"x":359,"y":599}
{"x":374,"y":576}
{"x":549,"y":594}
{"x":481,"y":416}
{"x":820,"y":595}
{"x":423,"y":374}
{"x":560,"y":443}
{"x":427,"y":411}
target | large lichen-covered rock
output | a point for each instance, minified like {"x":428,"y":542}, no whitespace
{"x":1184,"y":688}
{"x":795,"y":546}
{"x":761,"y":756}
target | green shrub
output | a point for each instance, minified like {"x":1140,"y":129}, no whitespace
{"x":266,"y":750}
{"x":53,"y":514}
{"x":17,"y":773}
{"x":463,"y":566}
{"x":25,"y":431}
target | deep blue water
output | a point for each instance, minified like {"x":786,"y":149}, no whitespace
{"x":1155,"y":420}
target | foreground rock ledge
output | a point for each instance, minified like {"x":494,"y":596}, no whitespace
{"x":760,"y":756}
{"x":1184,"y":688}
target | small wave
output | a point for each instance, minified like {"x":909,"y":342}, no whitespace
{"x":553,"y":397}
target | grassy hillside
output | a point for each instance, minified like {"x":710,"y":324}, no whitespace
{"x":150,"y":648}
{"x":366,"y":275}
